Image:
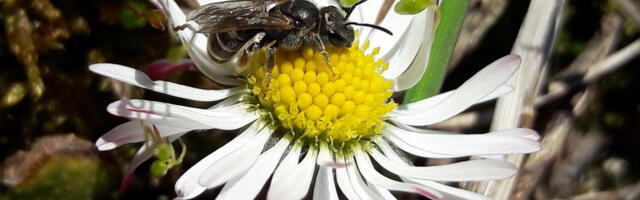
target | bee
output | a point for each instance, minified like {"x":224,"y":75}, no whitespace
{"x":239,"y":28}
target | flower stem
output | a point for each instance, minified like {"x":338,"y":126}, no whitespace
{"x":451,"y":15}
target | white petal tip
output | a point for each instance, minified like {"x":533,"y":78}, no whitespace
{"x":96,"y":67}
{"x":103,"y":145}
{"x":102,"y":68}
{"x":530,"y":133}
{"x":513,"y":58}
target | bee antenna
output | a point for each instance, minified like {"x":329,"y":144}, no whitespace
{"x":352,"y":8}
{"x":370,"y":25}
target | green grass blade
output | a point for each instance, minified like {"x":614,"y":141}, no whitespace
{"x":451,"y":15}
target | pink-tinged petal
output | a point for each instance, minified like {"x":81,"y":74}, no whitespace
{"x":473,"y":90}
{"x":187,"y":186}
{"x":130,"y":132}
{"x":417,"y":66}
{"x":325,"y":188}
{"x":181,"y":116}
{"x":510,"y":141}
{"x":236,"y":162}
{"x":249,"y":185}
{"x":142,"y":155}
{"x":425,"y":104}
{"x":296,"y":184}
{"x":446,"y":191}
{"x":325,"y":158}
{"x":374,"y":177}
{"x":473,"y":170}
{"x":140,"y":79}
{"x":162,"y":69}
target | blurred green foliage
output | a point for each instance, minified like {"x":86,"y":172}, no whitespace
{"x":65,"y":178}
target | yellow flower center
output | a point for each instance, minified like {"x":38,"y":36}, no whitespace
{"x":344,"y":102}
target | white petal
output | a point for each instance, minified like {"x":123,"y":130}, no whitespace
{"x":446,"y":191}
{"x":130,"y":132}
{"x":342,"y":177}
{"x":289,"y":163}
{"x":392,"y":46}
{"x":417,"y":66}
{"x":181,"y":116}
{"x":425,"y":104}
{"x":252,"y":181}
{"x":357,"y":183}
{"x":325,"y":158}
{"x":325,"y":3}
{"x":236,"y":162}
{"x":205,"y":2}
{"x":232,"y":100}
{"x":375,"y":178}
{"x":187,"y":186}
{"x":500,"y":142}
{"x":450,"y":193}
{"x":325,"y":186}
{"x":474,"y":170}
{"x":473,"y":90}
{"x":209,"y":68}
{"x":367,"y":13}
{"x":413,"y":150}
{"x":296,"y":184}
{"x":140,"y":79}
{"x":383,"y":192}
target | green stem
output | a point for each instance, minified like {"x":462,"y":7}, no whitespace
{"x":451,"y":15}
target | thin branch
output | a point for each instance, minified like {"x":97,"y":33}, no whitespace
{"x":596,"y":71}
{"x":630,"y":10}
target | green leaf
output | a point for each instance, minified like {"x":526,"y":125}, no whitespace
{"x":410,"y":7}
{"x":451,"y":15}
{"x":348,"y":3}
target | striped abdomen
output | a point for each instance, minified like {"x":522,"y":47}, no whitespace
{"x":223,"y":46}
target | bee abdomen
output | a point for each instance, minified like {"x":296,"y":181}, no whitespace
{"x":223,"y":46}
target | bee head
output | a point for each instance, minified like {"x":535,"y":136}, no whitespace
{"x":333,"y":29}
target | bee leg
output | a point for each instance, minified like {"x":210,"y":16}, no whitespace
{"x":270,"y":62}
{"x":323,"y":52}
{"x":187,"y":25}
{"x":270,"y":51}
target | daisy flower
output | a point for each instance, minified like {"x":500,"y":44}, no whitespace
{"x":324,"y":123}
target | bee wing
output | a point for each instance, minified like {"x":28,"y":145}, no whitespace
{"x":239,"y":15}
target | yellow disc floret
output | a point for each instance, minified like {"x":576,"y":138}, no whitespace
{"x":343,"y":102}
